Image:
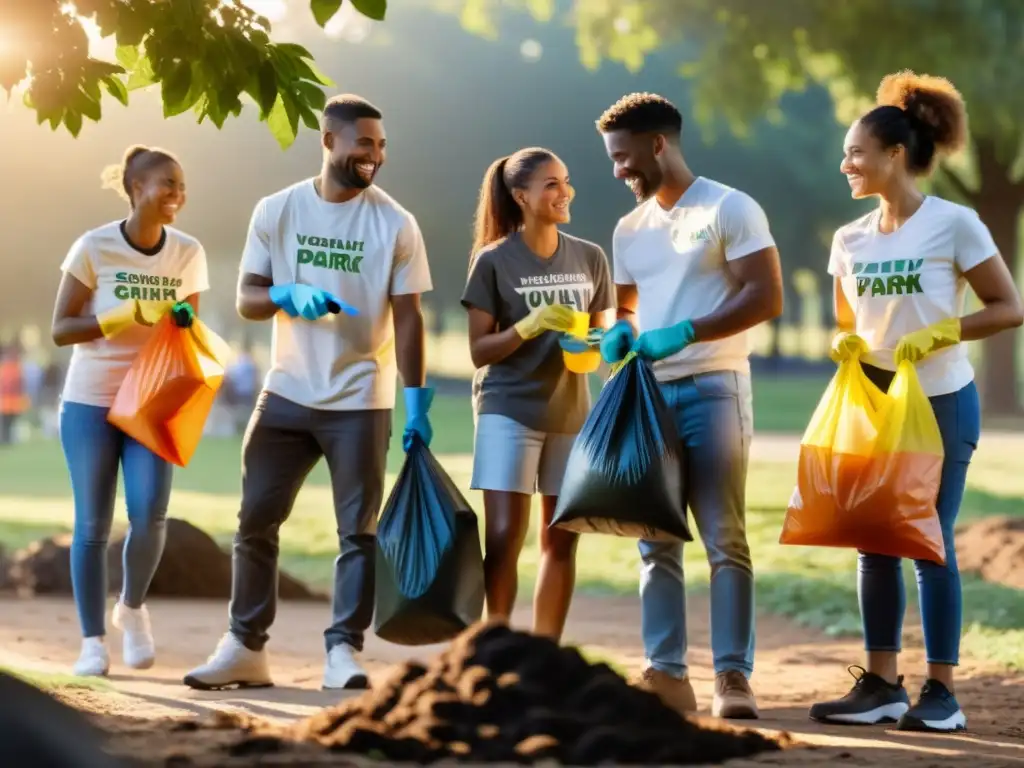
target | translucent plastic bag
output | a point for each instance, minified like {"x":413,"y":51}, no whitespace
{"x":625,"y":474}
{"x":870,"y":467}
{"x":167,"y":395}
{"x":430,"y":568}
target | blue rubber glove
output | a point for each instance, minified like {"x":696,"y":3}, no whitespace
{"x":616,"y":342}
{"x":664,"y":342}
{"x":574,"y":344}
{"x":307,"y":302}
{"x":417,"y":405}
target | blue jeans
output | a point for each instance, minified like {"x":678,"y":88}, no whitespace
{"x":883,"y":598}
{"x":714,"y":416}
{"x":93,"y":448}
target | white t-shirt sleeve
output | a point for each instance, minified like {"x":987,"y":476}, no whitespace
{"x":620,"y":272}
{"x":79,"y":263}
{"x":256,"y":256}
{"x":837,"y":261}
{"x":410,"y":271}
{"x":743,"y":226}
{"x":197,"y":277}
{"x":973,"y":242}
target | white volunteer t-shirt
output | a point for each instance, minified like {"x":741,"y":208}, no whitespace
{"x":677,"y":261}
{"x":363,"y":251}
{"x":115,"y":271}
{"x":908,"y":279}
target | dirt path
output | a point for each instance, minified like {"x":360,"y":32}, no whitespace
{"x":794,"y":668}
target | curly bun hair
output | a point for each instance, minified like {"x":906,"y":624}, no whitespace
{"x":932,"y":103}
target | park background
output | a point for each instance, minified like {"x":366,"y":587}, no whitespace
{"x":460,"y":83}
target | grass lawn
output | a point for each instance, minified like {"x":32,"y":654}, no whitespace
{"x":816,"y":587}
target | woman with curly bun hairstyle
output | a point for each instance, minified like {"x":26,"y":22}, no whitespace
{"x":900,"y":275}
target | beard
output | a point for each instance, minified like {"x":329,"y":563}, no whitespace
{"x":345,"y":175}
{"x":644,"y":185}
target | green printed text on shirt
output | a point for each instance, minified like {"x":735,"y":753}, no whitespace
{"x":136,"y":285}
{"x":899,"y":277}
{"x":330,"y":253}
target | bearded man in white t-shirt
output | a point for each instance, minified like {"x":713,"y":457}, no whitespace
{"x":339,"y":266}
{"x":695,"y":266}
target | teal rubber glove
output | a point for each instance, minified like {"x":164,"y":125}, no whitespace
{"x":664,"y":342}
{"x":574,"y":344}
{"x":616,"y":341}
{"x":307,"y":302}
{"x":417,"y":424}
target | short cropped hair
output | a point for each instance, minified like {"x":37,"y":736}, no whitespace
{"x":347,"y":108}
{"x":642,"y":113}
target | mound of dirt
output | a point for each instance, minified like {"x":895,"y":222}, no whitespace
{"x":193,"y":565}
{"x":497,"y":695}
{"x":994,"y":549}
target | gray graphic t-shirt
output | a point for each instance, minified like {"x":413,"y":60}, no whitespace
{"x":508,"y":281}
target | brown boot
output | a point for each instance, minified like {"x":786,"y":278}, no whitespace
{"x":673,"y":692}
{"x":733,"y":698}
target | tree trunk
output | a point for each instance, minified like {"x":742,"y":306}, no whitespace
{"x":999,"y":202}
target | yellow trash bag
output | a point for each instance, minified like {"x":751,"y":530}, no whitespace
{"x":869,"y":471}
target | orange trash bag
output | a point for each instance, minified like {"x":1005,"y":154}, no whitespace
{"x":869,"y":471}
{"x":166,"y":397}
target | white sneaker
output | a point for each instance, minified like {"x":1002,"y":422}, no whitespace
{"x":343,"y":671}
{"x":137,"y":648}
{"x":231,"y":664}
{"x":94,"y":660}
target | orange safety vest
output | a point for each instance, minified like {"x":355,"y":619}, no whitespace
{"x":13,"y":398}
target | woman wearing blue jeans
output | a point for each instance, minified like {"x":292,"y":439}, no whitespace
{"x":901,"y":273}
{"x":118,"y":281}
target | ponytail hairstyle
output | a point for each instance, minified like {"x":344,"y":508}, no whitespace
{"x":138,"y":160}
{"x":923,"y":114}
{"x":498,"y":214}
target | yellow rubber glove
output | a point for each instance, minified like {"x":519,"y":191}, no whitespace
{"x":120,"y":318}
{"x":557,"y":317}
{"x":153,"y":311}
{"x":847,"y":345}
{"x":916,"y":346}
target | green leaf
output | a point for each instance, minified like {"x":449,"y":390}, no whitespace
{"x":309,"y":118}
{"x":311,"y":96}
{"x":128,"y":56}
{"x":116,"y":88}
{"x":132,"y":24}
{"x":280,"y":125}
{"x":83,"y":103}
{"x":324,"y":10}
{"x":267,"y":78}
{"x":73,"y":121}
{"x":175,"y":88}
{"x":373,"y":9}
{"x":142,"y":76}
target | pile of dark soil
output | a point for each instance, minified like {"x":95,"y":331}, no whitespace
{"x":994,"y":549}
{"x":193,"y":565}
{"x":497,"y":695}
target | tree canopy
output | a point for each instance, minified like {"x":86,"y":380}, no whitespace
{"x":205,"y":55}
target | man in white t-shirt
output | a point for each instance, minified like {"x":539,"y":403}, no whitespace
{"x":340,"y":267}
{"x":695,"y":266}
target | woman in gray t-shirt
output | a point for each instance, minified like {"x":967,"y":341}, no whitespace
{"x":527,"y":278}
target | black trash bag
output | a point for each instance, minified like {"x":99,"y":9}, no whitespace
{"x":430,"y":566}
{"x":625,"y":475}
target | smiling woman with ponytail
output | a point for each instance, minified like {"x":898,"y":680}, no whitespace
{"x":527,"y":280}
{"x":118,"y":281}
{"x":901,"y":273}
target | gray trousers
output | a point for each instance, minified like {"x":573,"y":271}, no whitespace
{"x":282,"y":444}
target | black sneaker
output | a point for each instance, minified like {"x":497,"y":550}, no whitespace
{"x":872,"y":700}
{"x":936,"y":710}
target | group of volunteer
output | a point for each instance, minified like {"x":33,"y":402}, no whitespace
{"x":339,"y":266}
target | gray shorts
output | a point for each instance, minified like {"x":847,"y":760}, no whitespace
{"x":515,"y":459}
